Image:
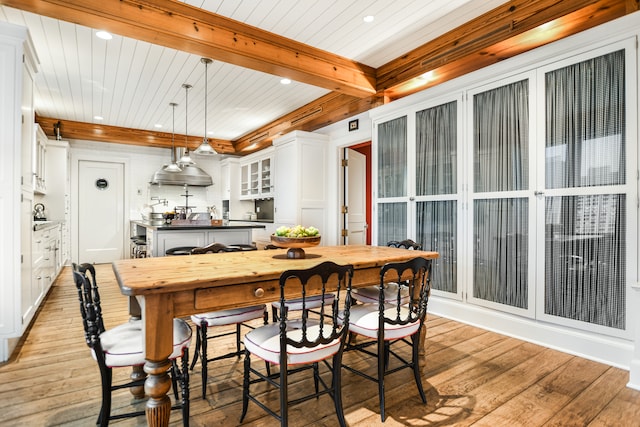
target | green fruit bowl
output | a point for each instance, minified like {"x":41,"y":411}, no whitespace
{"x":295,"y":244}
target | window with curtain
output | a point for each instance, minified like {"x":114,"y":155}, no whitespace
{"x":585,"y":234}
{"x":392,"y":158}
{"x":436,"y":173}
{"x":392,"y":180}
{"x":501,"y":223}
{"x":392,"y":222}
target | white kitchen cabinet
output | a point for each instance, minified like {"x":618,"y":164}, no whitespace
{"x":44,"y":268}
{"x":301,"y":193}
{"x":256,"y":175}
{"x":159,"y":239}
{"x":18,"y":63}
{"x":58,"y":198}
{"x":40,"y":160}
{"x":230,"y":182}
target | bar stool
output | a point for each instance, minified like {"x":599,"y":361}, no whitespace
{"x":180,"y":250}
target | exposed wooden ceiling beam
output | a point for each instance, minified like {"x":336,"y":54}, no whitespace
{"x":119,"y":135}
{"x":504,"y":32}
{"x":507,"y":31}
{"x":323,"y":111}
{"x":190,"y":29}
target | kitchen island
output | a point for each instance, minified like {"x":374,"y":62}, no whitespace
{"x":160,"y":238}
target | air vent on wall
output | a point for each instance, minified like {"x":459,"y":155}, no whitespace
{"x":306,"y":115}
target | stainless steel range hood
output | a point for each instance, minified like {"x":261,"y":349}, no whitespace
{"x":190,"y":175}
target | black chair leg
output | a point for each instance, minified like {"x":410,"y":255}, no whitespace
{"x":337,"y":389}
{"x":175,"y":373}
{"x":197,"y":349}
{"x":415,"y":339}
{"x":245,"y":385}
{"x":184,"y":385}
{"x":203,"y":354}
{"x":105,"y":409}
{"x":238,"y":339}
{"x":316,"y":375}
{"x":382,"y":349}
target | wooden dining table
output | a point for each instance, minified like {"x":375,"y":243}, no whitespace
{"x":178,"y":286}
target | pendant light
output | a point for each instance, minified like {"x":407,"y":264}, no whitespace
{"x":173,"y":166}
{"x":205,"y":148}
{"x":186,"y":159}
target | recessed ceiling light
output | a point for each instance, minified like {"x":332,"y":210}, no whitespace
{"x":104,"y":35}
{"x":368,"y":18}
{"x":285,"y":81}
{"x":157,"y":125}
{"x":98,"y":117}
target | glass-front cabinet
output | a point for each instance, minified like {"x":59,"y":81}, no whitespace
{"x":256,"y":175}
{"x":525,"y":186}
{"x":417,"y":187}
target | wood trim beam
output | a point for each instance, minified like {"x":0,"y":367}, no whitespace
{"x":323,"y":111}
{"x":118,"y":135}
{"x":190,"y":29}
{"x":504,"y":32}
{"x":481,"y":41}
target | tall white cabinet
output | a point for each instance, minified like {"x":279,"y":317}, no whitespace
{"x":301,"y":184}
{"x":18,"y":64}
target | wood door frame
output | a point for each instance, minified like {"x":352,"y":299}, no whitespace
{"x":365,"y":149}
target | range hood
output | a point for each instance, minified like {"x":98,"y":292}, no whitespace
{"x":190,"y":175}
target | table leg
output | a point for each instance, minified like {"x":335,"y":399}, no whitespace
{"x":137,"y":373}
{"x":157,"y":314}
{"x":423,"y":334}
{"x":157,"y":386}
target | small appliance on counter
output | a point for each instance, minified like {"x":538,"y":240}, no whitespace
{"x":38,"y":212}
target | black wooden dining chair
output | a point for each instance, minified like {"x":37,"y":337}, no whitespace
{"x":370,"y":294}
{"x":123,"y":346}
{"x":386,"y":324}
{"x":295,"y":304}
{"x":237,"y":317}
{"x":301,"y":343}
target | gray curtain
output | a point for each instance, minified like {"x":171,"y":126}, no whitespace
{"x":585,"y":243}
{"x":392,"y":158}
{"x":436,"y":173}
{"x":392,"y":222}
{"x":500,"y":225}
{"x":392,"y":179}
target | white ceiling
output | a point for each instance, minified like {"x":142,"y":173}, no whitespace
{"x":131,"y":83}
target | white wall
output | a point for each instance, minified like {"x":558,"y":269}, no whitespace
{"x":142,"y":163}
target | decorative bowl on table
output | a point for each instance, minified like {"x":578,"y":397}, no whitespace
{"x":295,"y":244}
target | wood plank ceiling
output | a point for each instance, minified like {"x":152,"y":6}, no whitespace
{"x":339,"y":65}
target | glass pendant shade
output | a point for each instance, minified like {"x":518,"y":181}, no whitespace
{"x":205,"y":148}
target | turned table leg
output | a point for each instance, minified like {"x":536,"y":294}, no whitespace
{"x":157,"y":314}
{"x":157,"y":386}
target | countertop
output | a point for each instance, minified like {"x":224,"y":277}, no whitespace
{"x":43,"y":225}
{"x":236,"y":225}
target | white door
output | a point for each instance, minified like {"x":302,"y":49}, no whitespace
{"x":356,"y":198}
{"x":100,"y":211}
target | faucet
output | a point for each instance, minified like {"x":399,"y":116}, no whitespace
{"x":159,"y":201}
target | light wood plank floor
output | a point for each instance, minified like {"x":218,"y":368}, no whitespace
{"x":471,"y":377}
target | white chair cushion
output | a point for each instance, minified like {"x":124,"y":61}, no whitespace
{"x":363,"y":320}
{"x":312,"y":302}
{"x":371,"y":294}
{"x":229,"y":317}
{"x":264,"y":342}
{"x":123,"y":345}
